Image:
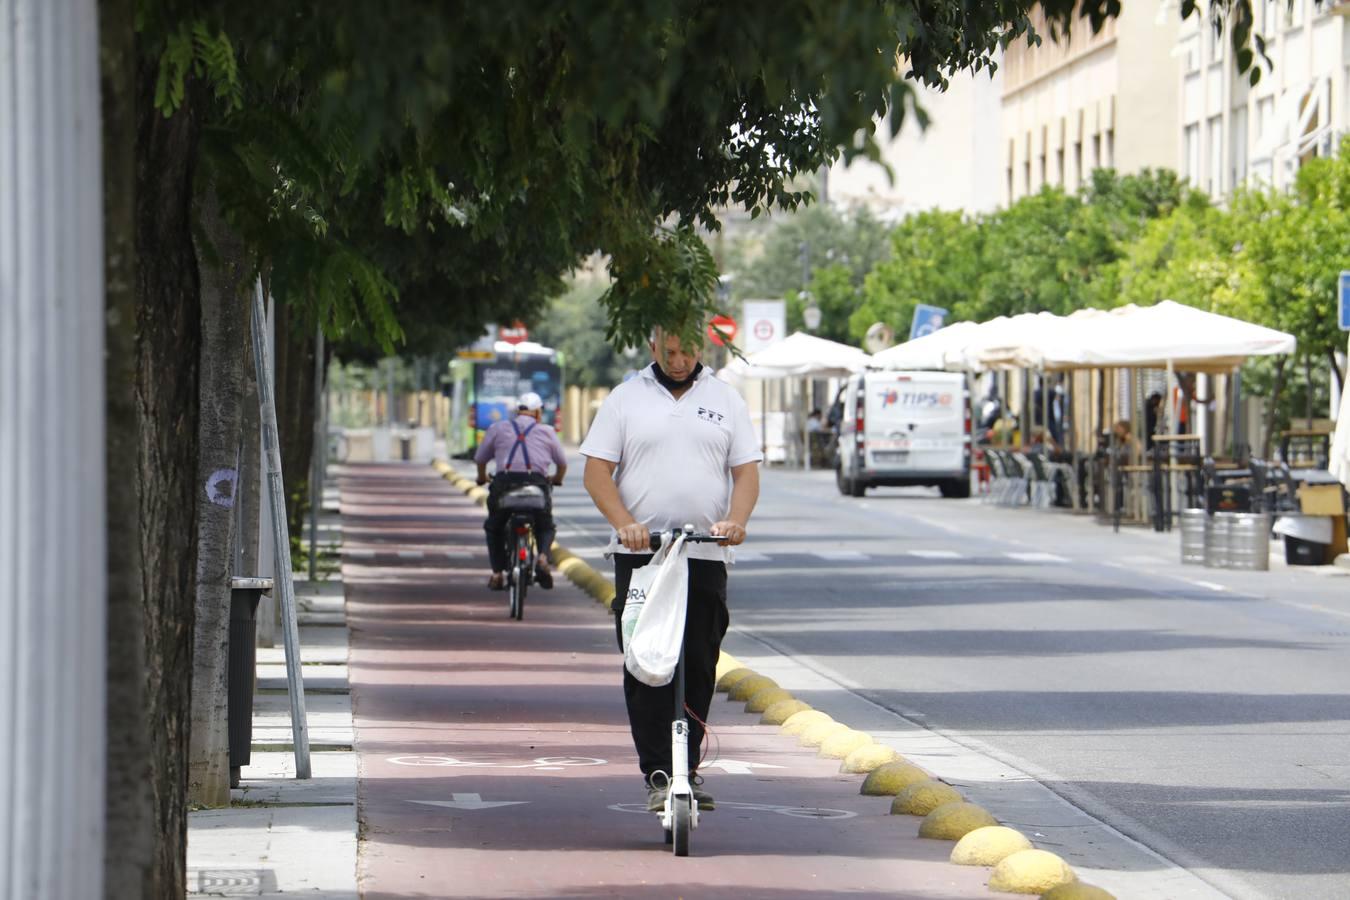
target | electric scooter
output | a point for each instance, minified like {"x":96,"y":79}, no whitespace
{"x":680,"y":815}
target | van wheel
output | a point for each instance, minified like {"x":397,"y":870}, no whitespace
{"x":841,"y":482}
{"x":956,"y":489}
{"x":857,"y":487}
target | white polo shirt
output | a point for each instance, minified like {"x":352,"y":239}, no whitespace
{"x":674,"y":456}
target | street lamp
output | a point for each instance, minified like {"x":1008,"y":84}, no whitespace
{"x":811,"y":312}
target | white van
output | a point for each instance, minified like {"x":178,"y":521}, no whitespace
{"x":904,"y":428}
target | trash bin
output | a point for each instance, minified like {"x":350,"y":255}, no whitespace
{"x":1248,"y":541}
{"x":1307,"y":539}
{"x":405,"y":446}
{"x":243,"y":656}
{"x":1193,"y":536}
{"x":1216,"y":540}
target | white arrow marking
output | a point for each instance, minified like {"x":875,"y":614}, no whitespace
{"x":1036,"y":557}
{"x":470,"y":801}
{"x":737,"y":767}
{"x":934,"y":554}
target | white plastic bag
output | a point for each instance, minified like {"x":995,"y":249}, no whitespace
{"x":661,"y":591}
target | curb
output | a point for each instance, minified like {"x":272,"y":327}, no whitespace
{"x":1022,"y":870}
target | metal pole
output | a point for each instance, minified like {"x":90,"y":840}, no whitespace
{"x":316,"y":456}
{"x":282,"y":580}
{"x":764,"y":419}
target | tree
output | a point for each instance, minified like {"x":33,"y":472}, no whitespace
{"x":935,"y":259}
{"x":575,"y":324}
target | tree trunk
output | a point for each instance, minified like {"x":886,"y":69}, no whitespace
{"x":295,"y":411}
{"x":168,"y":344}
{"x":1272,"y":411}
{"x":224,"y":325}
{"x":129,"y":833}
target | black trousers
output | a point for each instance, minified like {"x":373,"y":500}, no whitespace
{"x":495,"y":524}
{"x":652,"y":709}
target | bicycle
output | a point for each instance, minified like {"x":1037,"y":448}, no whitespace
{"x":521,"y":550}
{"x":679,"y":817}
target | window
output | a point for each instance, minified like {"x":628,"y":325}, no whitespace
{"x":1010,"y":184}
{"x":1237,"y":153}
{"x":1059,"y":167}
{"x":1270,"y":17}
{"x":1296,"y":14}
{"x":1026,"y":177}
{"x":1216,"y":40}
{"x":1096,"y":151}
{"x":1044,"y":172}
{"x":1214,"y":171}
{"x":1191,"y":153}
{"x":1110,"y":148}
{"x":1077,"y":163}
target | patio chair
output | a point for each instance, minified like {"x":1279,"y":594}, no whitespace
{"x":1040,"y":489}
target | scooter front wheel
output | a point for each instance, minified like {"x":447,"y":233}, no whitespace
{"x":682,"y":821}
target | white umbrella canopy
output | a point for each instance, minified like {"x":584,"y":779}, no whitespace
{"x":1152,"y":337}
{"x":1015,"y":342}
{"x":802,"y":354}
{"x":941,"y":350}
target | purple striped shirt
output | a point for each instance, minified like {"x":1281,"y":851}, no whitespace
{"x":541,"y":443}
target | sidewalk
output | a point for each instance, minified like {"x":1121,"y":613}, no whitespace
{"x":495,"y":759}
{"x":282,"y":837}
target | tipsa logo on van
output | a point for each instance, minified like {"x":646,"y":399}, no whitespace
{"x":892,"y":397}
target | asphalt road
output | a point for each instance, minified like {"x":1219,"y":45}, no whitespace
{"x":1202,"y":713}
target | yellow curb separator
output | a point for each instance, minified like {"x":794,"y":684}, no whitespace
{"x":815,"y":735}
{"x":746,"y":688}
{"x":953,"y":821}
{"x":922,"y":798}
{"x":841,"y":743}
{"x":989,"y":846}
{"x":762,"y":700}
{"x":781,"y":711}
{"x":1030,"y":872}
{"x":891,"y":778}
{"x":868,"y":758}
{"x":728,"y":680}
{"x":798,"y":722}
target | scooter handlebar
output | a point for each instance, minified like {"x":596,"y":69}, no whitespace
{"x":690,"y":537}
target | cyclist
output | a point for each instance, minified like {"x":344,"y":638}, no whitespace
{"x":523,"y":450}
{"x":685,"y":452}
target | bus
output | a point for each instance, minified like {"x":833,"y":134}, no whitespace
{"x":485,"y":386}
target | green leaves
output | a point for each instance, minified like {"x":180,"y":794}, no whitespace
{"x":666,"y":281}
{"x":195,"y":50}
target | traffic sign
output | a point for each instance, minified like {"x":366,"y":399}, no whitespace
{"x":517,"y":333}
{"x":1343,"y":300}
{"x":722,"y":330}
{"x":927,"y":319}
{"x":766,"y":324}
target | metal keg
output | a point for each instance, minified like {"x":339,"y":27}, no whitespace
{"x":1248,"y":541}
{"x":1217,"y":528}
{"x":1193,"y":536}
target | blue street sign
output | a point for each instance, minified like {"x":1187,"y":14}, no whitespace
{"x":927,"y":319}
{"x":1343,"y":301}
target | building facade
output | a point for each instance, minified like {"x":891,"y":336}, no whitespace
{"x":1089,"y":101}
{"x":1232,"y":133}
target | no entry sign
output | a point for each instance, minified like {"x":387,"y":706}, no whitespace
{"x":722,"y":330}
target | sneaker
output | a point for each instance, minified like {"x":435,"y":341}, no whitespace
{"x":543,"y":575}
{"x":497,"y":582}
{"x":702,"y":797}
{"x":656,"y":799}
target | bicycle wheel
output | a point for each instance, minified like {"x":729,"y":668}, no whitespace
{"x":512,"y":578}
{"x":682,"y":824}
{"x":522,"y":581}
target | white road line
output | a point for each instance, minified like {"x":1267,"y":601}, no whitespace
{"x":1207,"y":585}
{"x":410,"y":554}
{"x":1036,"y":557}
{"x":840,"y":555}
{"x":355,"y":553}
{"x":745,"y":556}
{"x":934,"y":554}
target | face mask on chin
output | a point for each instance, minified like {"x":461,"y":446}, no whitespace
{"x":671,"y":384}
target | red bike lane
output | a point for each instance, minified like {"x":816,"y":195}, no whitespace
{"x":495,"y":759}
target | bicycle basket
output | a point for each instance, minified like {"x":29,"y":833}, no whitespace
{"x":528,"y":496}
